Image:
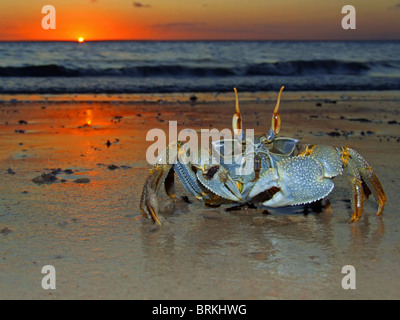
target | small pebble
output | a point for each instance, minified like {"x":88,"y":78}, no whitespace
{"x":82,"y":180}
{"x":5,"y":231}
{"x":45,"y":178}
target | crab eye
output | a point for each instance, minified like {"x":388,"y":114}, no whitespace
{"x":237,"y":118}
{"x":276,"y":120}
{"x":236,"y":124}
{"x":276,"y":123}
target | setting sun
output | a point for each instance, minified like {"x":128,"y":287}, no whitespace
{"x":81,"y":39}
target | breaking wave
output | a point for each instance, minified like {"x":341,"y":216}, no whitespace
{"x":284,"y":68}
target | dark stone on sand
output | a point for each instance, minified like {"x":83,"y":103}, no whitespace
{"x":193,"y":98}
{"x":19,"y":131}
{"x":82,"y":180}
{"x":68,"y":171}
{"x":45,"y":178}
{"x":56,"y":171}
{"x":360,"y":120}
{"x":112,"y":167}
{"x":329,"y":101}
{"x":22,"y":122}
{"x":368,"y":132}
{"x":108,"y":144}
{"x":10,"y":171}
{"x":6,"y":231}
{"x":333,"y":134}
{"x":319,"y":104}
{"x":392,"y":122}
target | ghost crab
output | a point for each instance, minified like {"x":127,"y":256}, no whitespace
{"x":283,"y":172}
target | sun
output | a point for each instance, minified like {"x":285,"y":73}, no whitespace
{"x":81,"y":39}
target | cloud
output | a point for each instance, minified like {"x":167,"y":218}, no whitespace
{"x":140,"y":5}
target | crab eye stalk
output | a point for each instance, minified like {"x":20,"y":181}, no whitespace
{"x":276,"y":120}
{"x":237,"y":118}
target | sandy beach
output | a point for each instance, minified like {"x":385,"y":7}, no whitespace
{"x":87,"y":222}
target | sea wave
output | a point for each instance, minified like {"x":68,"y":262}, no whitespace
{"x":280,"y":68}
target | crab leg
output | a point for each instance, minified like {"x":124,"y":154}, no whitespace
{"x":358,"y":197}
{"x":355,"y":162}
{"x":161,"y":173}
{"x":148,"y":201}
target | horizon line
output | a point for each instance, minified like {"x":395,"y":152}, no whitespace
{"x":200,"y":40}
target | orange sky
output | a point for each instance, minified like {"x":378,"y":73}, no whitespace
{"x":199,"y":20}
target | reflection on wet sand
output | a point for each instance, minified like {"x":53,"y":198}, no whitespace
{"x":291,"y":248}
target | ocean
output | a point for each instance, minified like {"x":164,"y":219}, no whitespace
{"x":197,"y":66}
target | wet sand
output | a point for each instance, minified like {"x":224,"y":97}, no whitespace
{"x":92,"y":232}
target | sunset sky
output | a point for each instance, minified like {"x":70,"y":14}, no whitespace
{"x":199,"y":20}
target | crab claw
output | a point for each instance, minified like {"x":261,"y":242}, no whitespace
{"x":216,"y":179}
